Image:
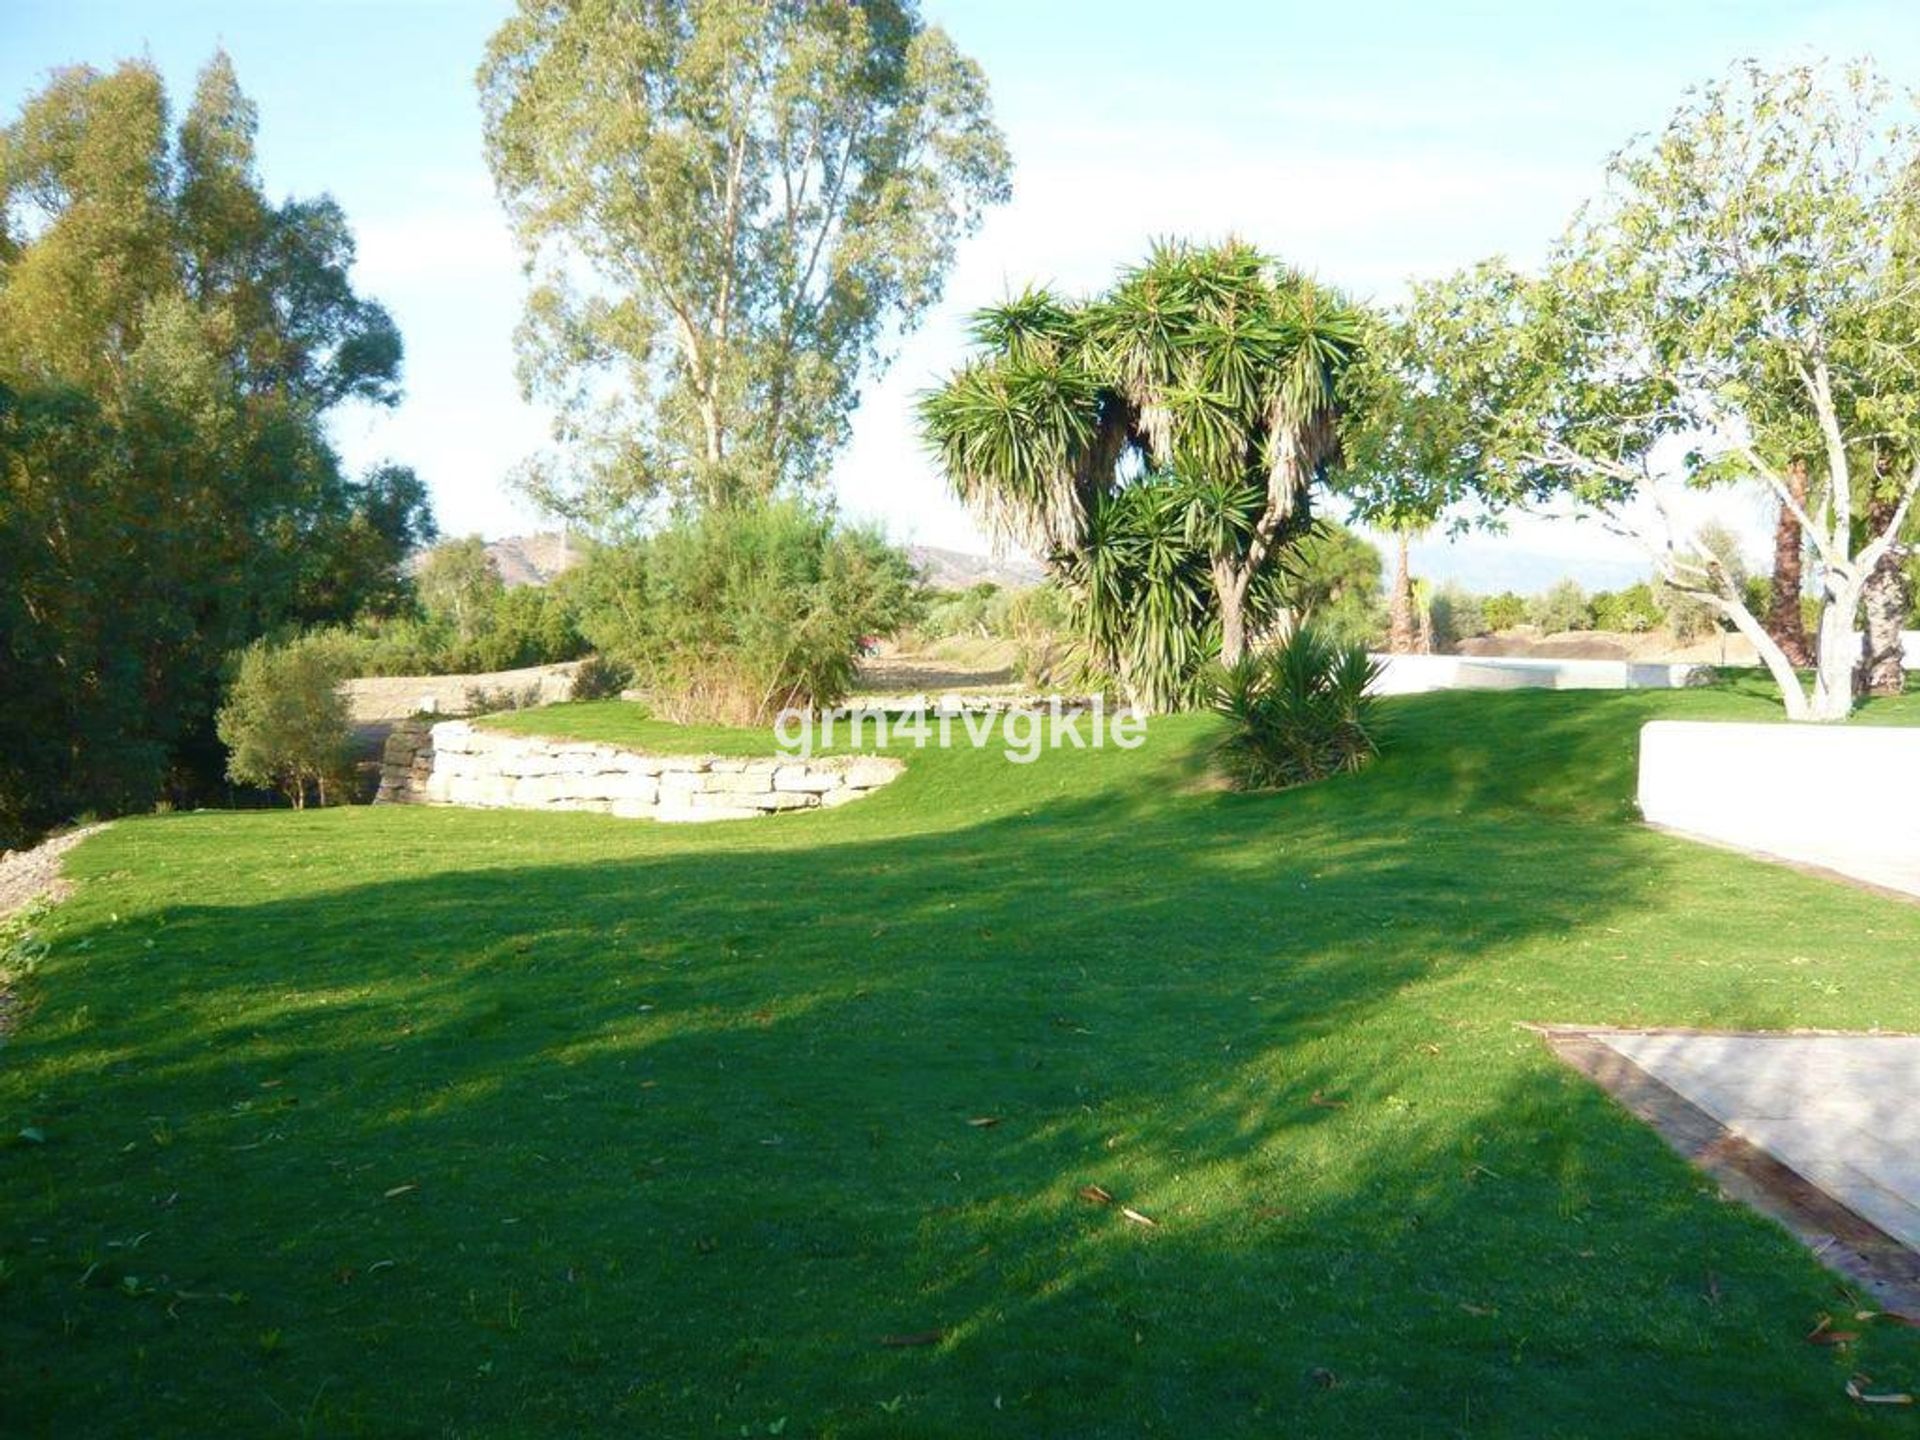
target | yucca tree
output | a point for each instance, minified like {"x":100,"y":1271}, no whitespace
{"x":1207,"y":376}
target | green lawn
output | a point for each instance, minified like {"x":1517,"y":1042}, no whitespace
{"x":412,"y":1122}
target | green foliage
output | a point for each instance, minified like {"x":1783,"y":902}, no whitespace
{"x":1689,"y":616}
{"x":465,"y":621}
{"x":1332,"y":581}
{"x":457,"y":582}
{"x":1454,"y":613}
{"x":170,"y":345}
{"x":730,"y":211}
{"x":1503,"y":611}
{"x":736,"y":613}
{"x":1157,"y":446}
{"x":285,"y":722}
{"x":979,"y":611}
{"x":1296,"y":713}
{"x":1563,"y":606}
{"x":1742,"y":296}
{"x":1632,"y":611}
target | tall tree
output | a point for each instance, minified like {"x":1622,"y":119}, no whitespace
{"x":170,"y":344}
{"x":728,"y":208}
{"x":1157,"y":446}
{"x":1735,"y":302}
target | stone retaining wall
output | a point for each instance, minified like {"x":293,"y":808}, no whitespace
{"x":453,"y":763}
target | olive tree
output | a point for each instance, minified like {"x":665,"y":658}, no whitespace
{"x":1737,"y":307}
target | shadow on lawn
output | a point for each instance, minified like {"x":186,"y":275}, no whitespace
{"x":670,"y":1145}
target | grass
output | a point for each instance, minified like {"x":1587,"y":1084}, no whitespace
{"x":410,"y":1122}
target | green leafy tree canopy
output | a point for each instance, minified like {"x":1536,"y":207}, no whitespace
{"x":728,"y":209}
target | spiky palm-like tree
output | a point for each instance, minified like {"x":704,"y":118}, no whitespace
{"x":1156,"y":445}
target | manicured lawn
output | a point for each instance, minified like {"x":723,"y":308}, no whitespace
{"x":411,"y":1122}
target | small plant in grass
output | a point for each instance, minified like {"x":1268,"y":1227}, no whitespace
{"x":285,"y":723}
{"x":1296,"y":714}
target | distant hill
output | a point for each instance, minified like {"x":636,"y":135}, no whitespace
{"x":533,"y":559}
{"x":957,"y":570}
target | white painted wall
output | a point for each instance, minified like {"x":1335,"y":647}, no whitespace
{"x":1846,"y":797}
{"x":1416,"y":674}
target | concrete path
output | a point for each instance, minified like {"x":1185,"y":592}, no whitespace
{"x":1841,"y":1111}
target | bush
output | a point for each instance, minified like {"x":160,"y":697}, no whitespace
{"x":1632,"y":611}
{"x":285,"y":723}
{"x":735,"y":614}
{"x":1564,"y":607}
{"x":1505,"y":611}
{"x":1296,"y":714}
{"x":599,"y":678}
{"x":1455,"y":614}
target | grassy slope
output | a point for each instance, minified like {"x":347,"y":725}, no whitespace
{"x":685,"y":1111}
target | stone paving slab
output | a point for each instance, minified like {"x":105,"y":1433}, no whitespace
{"x":1843,"y":1111}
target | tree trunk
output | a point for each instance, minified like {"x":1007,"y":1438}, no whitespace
{"x":1232,"y":594}
{"x":1784,"y":621}
{"x":1886,"y":598}
{"x":1400,"y":635}
{"x":1837,"y":650}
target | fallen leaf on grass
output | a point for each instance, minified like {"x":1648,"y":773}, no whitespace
{"x":984,"y":1122}
{"x":1854,"y":1392}
{"x":1096,"y":1194}
{"x":1481,"y":1310}
{"x":1325,"y":1102}
{"x":1825,"y":1334}
{"x":1137,"y":1217}
{"x":398,"y":1190}
{"x":918,"y":1337}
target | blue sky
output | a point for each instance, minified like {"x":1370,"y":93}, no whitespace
{"x":1366,"y":141}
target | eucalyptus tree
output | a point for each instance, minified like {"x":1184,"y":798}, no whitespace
{"x":728,"y":210}
{"x":1156,"y":445}
{"x":1736,"y":303}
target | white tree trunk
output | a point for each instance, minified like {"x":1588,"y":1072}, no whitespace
{"x":1836,"y":649}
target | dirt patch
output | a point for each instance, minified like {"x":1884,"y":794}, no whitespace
{"x":931,"y":674}
{"x":376,"y":699}
{"x":1654,"y":648}
{"x":29,"y":875}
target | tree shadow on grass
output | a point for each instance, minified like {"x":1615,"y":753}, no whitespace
{"x":674,"y":1143}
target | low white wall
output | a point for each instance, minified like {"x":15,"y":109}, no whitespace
{"x":1846,"y":797}
{"x":1416,"y":674}
{"x":455,"y":764}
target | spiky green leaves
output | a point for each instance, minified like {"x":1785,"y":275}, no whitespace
{"x":1207,"y":376}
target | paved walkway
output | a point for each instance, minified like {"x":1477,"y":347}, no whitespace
{"x":1841,"y":1111}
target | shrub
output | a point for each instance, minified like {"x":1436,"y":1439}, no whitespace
{"x":1632,"y":611}
{"x":1456,"y":614}
{"x":492,"y":699}
{"x":1504,"y":611}
{"x":737,"y":613}
{"x":285,"y":723}
{"x":1564,"y":607}
{"x":1297,"y":713}
{"x":599,"y":678}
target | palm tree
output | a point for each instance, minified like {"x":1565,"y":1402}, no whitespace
{"x":1206,"y":379}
